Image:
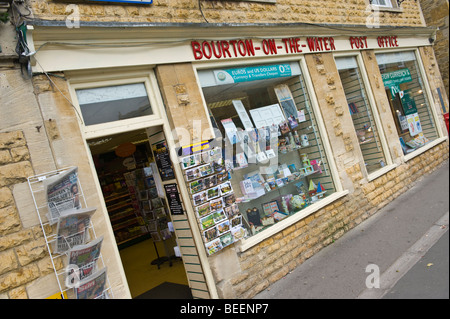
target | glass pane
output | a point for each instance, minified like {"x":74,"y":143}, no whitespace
{"x":272,"y":143}
{"x":362,"y":115}
{"x":408,"y":99}
{"x":113,"y":103}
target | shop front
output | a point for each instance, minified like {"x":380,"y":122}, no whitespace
{"x":260,"y":148}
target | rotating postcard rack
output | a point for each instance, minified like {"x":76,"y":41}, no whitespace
{"x":93,"y":273}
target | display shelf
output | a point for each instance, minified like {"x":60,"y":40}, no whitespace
{"x":38,"y":192}
{"x":279,"y":181}
{"x":121,"y":206}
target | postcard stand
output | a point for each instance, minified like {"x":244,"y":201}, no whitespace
{"x":161,"y":260}
{"x":37,"y":189}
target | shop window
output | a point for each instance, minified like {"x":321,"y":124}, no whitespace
{"x":113,"y":103}
{"x":361,"y":113}
{"x":382,"y":3}
{"x":272,"y":145}
{"x":408,"y":99}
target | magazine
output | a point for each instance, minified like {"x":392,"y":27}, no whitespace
{"x":83,"y":258}
{"x":62,"y":193}
{"x":72,"y":228}
{"x":93,"y":286}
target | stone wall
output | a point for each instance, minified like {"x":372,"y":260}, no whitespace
{"x":436,"y":14}
{"x":39,"y":133}
{"x":283,"y":11}
{"x":23,"y":253}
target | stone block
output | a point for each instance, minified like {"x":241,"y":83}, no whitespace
{"x":15,"y":173}
{"x":12,"y":139}
{"x":15,"y":239}
{"x":8,"y":261}
{"x":32,"y":251}
{"x":19,"y":277}
{"x":6,"y":198}
{"x":9,"y":221}
{"x":5,"y":157}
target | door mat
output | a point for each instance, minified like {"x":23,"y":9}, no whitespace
{"x":167,"y":290}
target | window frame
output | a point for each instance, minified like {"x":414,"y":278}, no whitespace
{"x":442,"y":137}
{"x":374,"y":108}
{"x":340,"y":192}
{"x":391,"y":7}
{"x":91,"y":81}
{"x":388,"y":4}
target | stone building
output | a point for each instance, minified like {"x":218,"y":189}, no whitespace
{"x":244,"y":135}
{"x":436,"y":15}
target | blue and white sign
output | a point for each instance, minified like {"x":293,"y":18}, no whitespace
{"x":252,"y":73}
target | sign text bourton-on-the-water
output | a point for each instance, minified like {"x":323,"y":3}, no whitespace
{"x":223,"y":49}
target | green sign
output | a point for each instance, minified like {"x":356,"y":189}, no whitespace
{"x":247,"y":74}
{"x":393,"y":79}
{"x":408,"y":103}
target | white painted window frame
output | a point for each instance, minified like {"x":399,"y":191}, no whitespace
{"x":372,"y":103}
{"x":340,"y":192}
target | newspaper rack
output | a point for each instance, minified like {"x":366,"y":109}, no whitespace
{"x":36,"y":185}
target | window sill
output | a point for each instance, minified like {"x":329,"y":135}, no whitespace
{"x":425,"y":148}
{"x":381,"y":172}
{"x":285,"y":223}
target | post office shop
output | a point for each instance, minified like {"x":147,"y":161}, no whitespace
{"x":277,"y":141}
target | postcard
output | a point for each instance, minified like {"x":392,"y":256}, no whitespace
{"x":219,"y":216}
{"x":205,"y":170}
{"x":226,"y":239}
{"x":225,"y":188}
{"x":190,"y":161}
{"x":214,"y":246}
{"x":199,"y":198}
{"x":210,"y":234}
{"x":212,"y":193}
{"x":196,"y":186}
{"x":192,"y":174}
{"x":223,"y":227}
{"x":229,"y":199}
{"x":203,"y":210}
{"x":207,"y":221}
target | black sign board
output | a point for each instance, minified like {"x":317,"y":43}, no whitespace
{"x":173,"y":199}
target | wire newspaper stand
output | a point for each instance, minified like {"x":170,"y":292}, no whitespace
{"x":69,"y":234}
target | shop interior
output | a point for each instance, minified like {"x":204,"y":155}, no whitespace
{"x":408,"y":100}
{"x":361,"y":113}
{"x":134,"y":197}
{"x":278,"y":164}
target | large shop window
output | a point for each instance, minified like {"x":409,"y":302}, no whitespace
{"x":113,"y":103}
{"x":361,"y":113}
{"x":409,"y":102}
{"x":272,"y":144}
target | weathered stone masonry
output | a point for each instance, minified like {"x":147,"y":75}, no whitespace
{"x":23,"y":253}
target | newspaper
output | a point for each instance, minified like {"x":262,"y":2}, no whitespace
{"x":62,"y":193}
{"x":72,"y":228}
{"x":93,"y":286}
{"x":81,"y":261}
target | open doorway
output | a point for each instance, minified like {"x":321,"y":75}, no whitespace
{"x":134,"y":197}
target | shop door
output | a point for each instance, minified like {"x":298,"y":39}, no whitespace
{"x":128,"y":167}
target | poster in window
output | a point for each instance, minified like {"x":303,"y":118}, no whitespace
{"x":267,"y":116}
{"x":230,"y":130}
{"x":286,"y":100}
{"x":408,"y":103}
{"x":414,"y":125}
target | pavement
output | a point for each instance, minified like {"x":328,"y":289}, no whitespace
{"x":401,"y":252}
